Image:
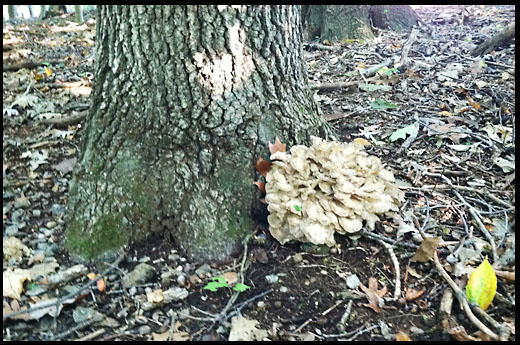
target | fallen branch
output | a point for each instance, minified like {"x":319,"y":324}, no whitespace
{"x":27,"y":64}
{"x":328,"y":86}
{"x":503,"y":37}
{"x":401,"y":65}
{"x":66,"y":121}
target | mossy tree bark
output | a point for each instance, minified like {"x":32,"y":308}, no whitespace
{"x":185,"y":100}
{"x":346,"y":22}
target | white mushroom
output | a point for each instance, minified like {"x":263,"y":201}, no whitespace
{"x":313,"y":192}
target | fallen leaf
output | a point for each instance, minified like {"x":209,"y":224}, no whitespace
{"x":426,"y":249}
{"x":402,"y":132}
{"x":12,"y":282}
{"x":373,"y":295}
{"x":361,"y":141}
{"x":14,"y":307}
{"x":101,"y":285}
{"x":277,"y":146}
{"x":230,"y":277}
{"x":412,"y":294}
{"x":401,"y":336}
{"x":65,"y":166}
{"x":260,"y":185}
{"x":482,"y":285}
{"x":245,"y":329}
{"x":263,"y":166}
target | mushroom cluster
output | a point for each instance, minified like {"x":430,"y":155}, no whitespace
{"x":329,"y":187}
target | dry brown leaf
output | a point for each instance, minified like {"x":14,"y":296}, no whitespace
{"x":374,"y":295}
{"x":412,"y":294}
{"x":260,"y":185}
{"x":401,"y":336}
{"x":263,"y":166}
{"x":427,"y":249}
{"x":230,"y":277}
{"x":277,"y":146}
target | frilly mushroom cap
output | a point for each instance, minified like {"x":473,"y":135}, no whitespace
{"x":313,"y":192}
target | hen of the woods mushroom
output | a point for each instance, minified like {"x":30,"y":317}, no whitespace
{"x":313,"y":192}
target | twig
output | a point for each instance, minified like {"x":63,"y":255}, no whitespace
{"x":297,"y":330}
{"x":97,"y":318}
{"x":340,"y":326}
{"x":358,"y":333}
{"x":458,"y":292}
{"x":92,"y":335}
{"x":473,"y":213}
{"x":397,"y":291}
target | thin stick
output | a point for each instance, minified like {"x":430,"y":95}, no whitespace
{"x":458,"y":292}
{"x":397,"y":291}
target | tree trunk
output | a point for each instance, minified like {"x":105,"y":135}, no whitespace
{"x":346,"y":22}
{"x":185,"y":100}
{"x":78,"y":13}
{"x":11,"y":12}
{"x":337,"y":22}
{"x":394,"y":17}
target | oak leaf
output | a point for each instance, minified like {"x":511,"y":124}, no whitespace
{"x":426,"y":249}
{"x":263,"y":166}
{"x":277,"y":146}
{"x":374,"y":295}
{"x":260,"y":185}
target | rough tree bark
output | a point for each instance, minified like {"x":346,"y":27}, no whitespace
{"x":346,"y":22}
{"x":185,"y":99}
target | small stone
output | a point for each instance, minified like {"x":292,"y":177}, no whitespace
{"x":297,"y":257}
{"x":57,"y":209}
{"x":202,"y":270}
{"x":36,"y":213}
{"x":50,"y":224}
{"x":416,"y":330}
{"x":271,"y":278}
{"x":277,"y":304}
{"x":148,"y":289}
{"x":132,"y":291}
{"x":313,"y":280}
{"x":141,"y":274}
{"x":144,"y":330}
{"x":181,"y":280}
{"x":321,"y":320}
{"x":260,"y":304}
{"x":333,"y":250}
{"x":22,"y":202}
{"x":283,"y":289}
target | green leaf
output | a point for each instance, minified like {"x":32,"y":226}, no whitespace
{"x":240,"y":287}
{"x":402,"y":132}
{"x":298,"y":208}
{"x":217,"y":283}
{"x":482,"y":285}
{"x":382,"y":104}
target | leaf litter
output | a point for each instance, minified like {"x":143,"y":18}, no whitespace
{"x":463,"y":108}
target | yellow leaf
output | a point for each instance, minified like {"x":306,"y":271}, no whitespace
{"x":92,"y":276}
{"x":361,"y":141}
{"x":401,"y":336}
{"x":445,"y":113}
{"x":482,"y":285}
{"x":48,"y":71}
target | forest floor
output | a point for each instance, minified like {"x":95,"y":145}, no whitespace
{"x":444,"y":125}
